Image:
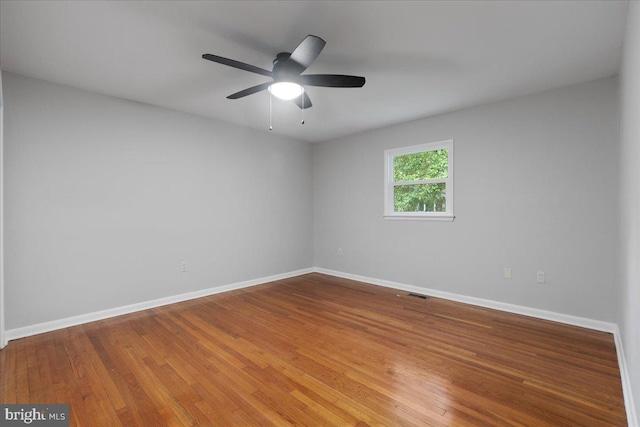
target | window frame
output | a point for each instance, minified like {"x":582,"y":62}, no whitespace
{"x":390,"y":184}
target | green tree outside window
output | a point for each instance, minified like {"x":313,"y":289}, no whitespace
{"x":410,"y":196}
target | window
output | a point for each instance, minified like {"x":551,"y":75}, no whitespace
{"x":419,"y":182}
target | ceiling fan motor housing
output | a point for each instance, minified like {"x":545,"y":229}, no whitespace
{"x":281,"y":70}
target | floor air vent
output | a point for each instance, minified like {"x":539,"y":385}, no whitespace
{"x":418,"y":296}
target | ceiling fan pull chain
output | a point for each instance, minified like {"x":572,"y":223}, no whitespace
{"x":270,"y":114}
{"x":302,"y":109}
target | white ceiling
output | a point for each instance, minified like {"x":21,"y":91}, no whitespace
{"x":419,"y":58}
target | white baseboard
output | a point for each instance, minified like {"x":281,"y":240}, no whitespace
{"x":12,"y":334}
{"x":632,"y":416}
{"x":597,"y":325}
{"x":511,"y":308}
{"x":16,"y":333}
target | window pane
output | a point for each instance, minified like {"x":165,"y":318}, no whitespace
{"x":418,"y":166}
{"x":420,"y":198}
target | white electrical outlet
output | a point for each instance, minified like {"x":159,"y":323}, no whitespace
{"x":340,"y":251}
{"x":541,"y":278}
{"x":184,"y":267}
{"x":507,"y":272}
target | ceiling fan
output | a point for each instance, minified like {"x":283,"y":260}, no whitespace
{"x":288,"y":82}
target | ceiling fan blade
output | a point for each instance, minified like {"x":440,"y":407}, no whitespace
{"x":236,"y":64}
{"x":331,"y":80}
{"x":306,"y":52}
{"x":250,"y":91}
{"x":307,"y":101}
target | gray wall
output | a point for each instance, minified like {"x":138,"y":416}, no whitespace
{"x":2,"y":310}
{"x":629,"y":313}
{"x":535,"y":189}
{"x":105,"y":198}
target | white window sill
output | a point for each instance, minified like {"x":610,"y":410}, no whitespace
{"x":448,"y":218}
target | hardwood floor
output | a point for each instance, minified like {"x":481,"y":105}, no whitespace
{"x":318,"y":350}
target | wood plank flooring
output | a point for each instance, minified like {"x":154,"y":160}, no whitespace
{"x":317,"y":350}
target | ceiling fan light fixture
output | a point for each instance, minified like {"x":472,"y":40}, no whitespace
{"x":286,"y":90}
